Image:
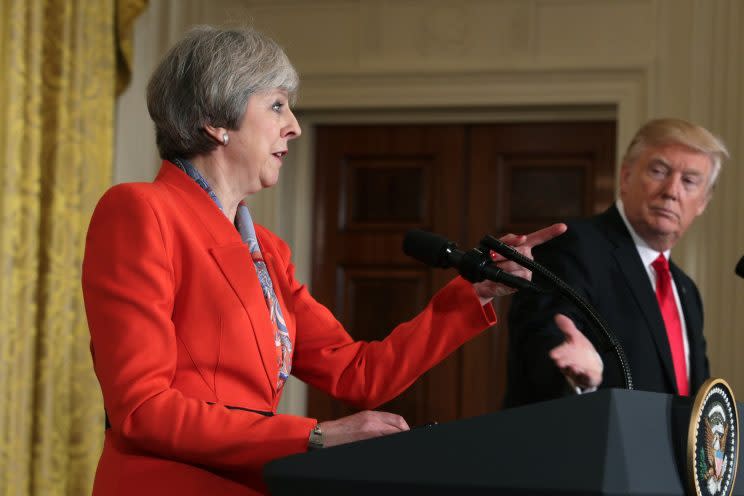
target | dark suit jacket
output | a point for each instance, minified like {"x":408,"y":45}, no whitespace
{"x":597,"y":257}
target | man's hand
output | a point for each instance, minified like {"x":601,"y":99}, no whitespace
{"x":361,"y":425}
{"x":486,"y":290}
{"x":576,"y":357}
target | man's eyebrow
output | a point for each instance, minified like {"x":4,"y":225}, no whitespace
{"x":659,"y":161}
{"x":686,"y":171}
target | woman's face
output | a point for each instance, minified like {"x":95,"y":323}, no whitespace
{"x":258,"y":147}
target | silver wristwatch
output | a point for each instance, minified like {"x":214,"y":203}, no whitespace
{"x":316,"y":438}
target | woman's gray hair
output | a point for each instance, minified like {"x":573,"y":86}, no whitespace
{"x":206,"y":79}
{"x":671,"y":131}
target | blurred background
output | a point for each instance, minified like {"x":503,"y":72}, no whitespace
{"x":464,"y":117}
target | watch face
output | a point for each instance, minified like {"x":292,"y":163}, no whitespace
{"x":713,"y":443}
{"x":316,"y":438}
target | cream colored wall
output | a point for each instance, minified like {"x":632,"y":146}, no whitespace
{"x":425,"y":60}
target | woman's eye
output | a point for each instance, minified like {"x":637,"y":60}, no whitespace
{"x":277,"y":106}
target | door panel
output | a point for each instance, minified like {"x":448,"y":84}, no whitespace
{"x":373,"y":183}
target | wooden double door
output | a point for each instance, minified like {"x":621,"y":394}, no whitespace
{"x":375,"y":182}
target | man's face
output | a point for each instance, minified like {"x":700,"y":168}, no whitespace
{"x":663,"y":191}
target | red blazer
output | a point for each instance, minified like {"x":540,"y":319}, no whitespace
{"x":184,"y":350}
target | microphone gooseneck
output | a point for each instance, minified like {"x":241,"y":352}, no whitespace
{"x":740,"y":267}
{"x":599,"y":326}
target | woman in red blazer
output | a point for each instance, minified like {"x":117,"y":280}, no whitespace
{"x":195,"y":315}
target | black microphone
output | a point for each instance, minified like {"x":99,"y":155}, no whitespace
{"x":473,"y":265}
{"x":740,"y":267}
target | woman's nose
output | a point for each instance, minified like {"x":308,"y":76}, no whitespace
{"x":292,"y":129}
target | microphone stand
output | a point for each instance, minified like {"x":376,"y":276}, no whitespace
{"x":599,"y":327}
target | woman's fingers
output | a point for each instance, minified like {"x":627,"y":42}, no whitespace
{"x":361,"y":425}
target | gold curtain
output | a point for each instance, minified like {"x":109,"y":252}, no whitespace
{"x":62,"y":63}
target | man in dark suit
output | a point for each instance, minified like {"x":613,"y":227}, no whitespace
{"x":617,"y":260}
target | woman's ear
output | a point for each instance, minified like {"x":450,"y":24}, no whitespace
{"x":219,"y":134}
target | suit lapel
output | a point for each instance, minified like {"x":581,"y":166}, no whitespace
{"x":232,"y":257}
{"x":237,"y":267}
{"x":637,"y":279}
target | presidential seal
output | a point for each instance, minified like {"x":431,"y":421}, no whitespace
{"x":713,"y":440}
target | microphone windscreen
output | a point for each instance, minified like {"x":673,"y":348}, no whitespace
{"x":740,"y":267}
{"x":427,"y":247}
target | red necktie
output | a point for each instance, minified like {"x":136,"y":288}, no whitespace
{"x":665,"y":296}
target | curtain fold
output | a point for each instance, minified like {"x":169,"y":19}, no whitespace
{"x":63,"y":65}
